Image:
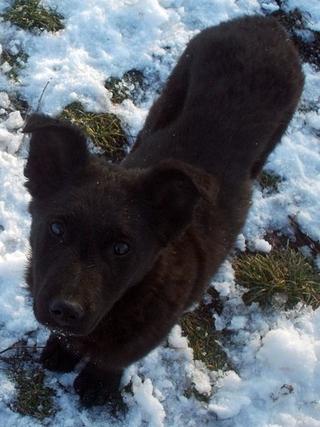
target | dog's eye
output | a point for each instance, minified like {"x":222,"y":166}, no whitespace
{"x":121,"y":248}
{"x":57,"y":229}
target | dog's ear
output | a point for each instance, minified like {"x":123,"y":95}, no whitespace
{"x":58,"y":152}
{"x":171,"y":191}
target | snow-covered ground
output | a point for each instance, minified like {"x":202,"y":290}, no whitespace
{"x":276,"y":355}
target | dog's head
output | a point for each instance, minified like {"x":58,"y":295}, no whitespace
{"x":97,"y":228}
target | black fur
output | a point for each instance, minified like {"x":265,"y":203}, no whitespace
{"x":177,"y":201}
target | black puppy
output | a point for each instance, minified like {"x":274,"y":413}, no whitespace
{"x":120,"y":251}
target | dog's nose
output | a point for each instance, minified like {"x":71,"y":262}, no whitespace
{"x":66,"y":312}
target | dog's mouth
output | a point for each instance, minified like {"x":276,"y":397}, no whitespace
{"x":71,"y":331}
{"x":65,"y":325}
{"x":68,"y":331}
{"x":80,"y":330}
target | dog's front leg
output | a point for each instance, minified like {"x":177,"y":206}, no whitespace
{"x":56,"y":356}
{"x":97,"y":386}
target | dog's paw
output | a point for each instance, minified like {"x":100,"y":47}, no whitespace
{"x":97,"y":387}
{"x":56,"y":357}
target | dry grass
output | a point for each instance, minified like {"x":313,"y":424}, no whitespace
{"x":198,"y":326}
{"x":16,"y":62}
{"x":104,"y":129}
{"x":269,"y":181}
{"x":128,"y":87}
{"x":30,"y":15}
{"x":33,"y":398}
{"x":284,"y":272}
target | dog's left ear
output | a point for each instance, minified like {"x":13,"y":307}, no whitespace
{"x":171,"y":190}
{"x":58,"y":152}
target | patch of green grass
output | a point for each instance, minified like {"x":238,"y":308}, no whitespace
{"x":16,"y":62}
{"x":269,"y":181}
{"x":104,"y":129}
{"x":128,"y":87}
{"x":283,"y":272}
{"x":33,"y":397}
{"x":198,"y":326}
{"x":118,"y":90}
{"x":30,"y":15}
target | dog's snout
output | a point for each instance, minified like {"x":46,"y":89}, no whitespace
{"x":66,"y":312}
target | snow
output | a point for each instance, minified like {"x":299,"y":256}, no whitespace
{"x":241,"y":243}
{"x":14,"y":121}
{"x":152,"y":410}
{"x":5,"y":67}
{"x":275,"y":355}
{"x":291,"y":355}
{"x":176,"y":340}
{"x":4,"y":99}
{"x":238,"y":322}
{"x":284,"y":378}
{"x":261,"y":245}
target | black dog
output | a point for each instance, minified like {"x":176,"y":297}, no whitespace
{"x":120,"y":251}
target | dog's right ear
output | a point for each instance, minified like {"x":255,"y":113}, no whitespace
{"x":58,"y":152}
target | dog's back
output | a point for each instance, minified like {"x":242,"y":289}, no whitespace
{"x":228,"y":101}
